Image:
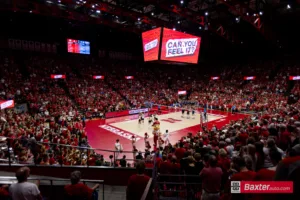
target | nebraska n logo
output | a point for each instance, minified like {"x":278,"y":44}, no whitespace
{"x":171,"y":120}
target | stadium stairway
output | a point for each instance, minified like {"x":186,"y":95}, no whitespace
{"x":63,"y":85}
{"x":117,"y":91}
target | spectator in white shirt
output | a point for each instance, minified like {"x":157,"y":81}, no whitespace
{"x":24,"y":190}
{"x":118,"y":147}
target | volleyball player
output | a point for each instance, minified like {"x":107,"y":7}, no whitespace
{"x":150,"y":119}
{"x":193,"y":113}
{"x":187,"y":113}
{"x":142,"y":117}
{"x":166,"y":137}
{"x":182,"y":113}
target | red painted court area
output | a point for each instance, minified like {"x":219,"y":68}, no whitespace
{"x":102,"y":134}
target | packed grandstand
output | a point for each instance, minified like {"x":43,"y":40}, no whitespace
{"x":48,"y":101}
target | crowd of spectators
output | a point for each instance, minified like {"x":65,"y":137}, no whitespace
{"x":247,"y":149}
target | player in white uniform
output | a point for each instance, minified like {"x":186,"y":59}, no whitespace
{"x":166,"y":137}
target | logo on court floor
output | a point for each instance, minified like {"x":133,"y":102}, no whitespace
{"x":119,"y":132}
{"x":171,"y":120}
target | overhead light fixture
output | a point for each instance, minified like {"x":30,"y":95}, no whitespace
{"x":288,"y":6}
{"x":139,"y":19}
{"x":260,"y":13}
{"x":178,"y":22}
{"x":200,"y":27}
{"x":174,"y":29}
{"x":98,"y":11}
{"x":247,"y":14}
{"x":181,"y":2}
{"x":152,"y":13}
{"x":237,"y":19}
{"x":93,"y":6}
{"x":206,"y":13}
{"x":30,"y":11}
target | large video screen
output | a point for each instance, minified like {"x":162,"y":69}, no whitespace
{"x":78,"y":46}
{"x":151,"y":40}
{"x":179,"y":47}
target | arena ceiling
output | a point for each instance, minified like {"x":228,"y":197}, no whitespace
{"x":232,"y":20}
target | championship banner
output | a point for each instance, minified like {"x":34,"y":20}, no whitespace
{"x":215,"y":78}
{"x":58,"y":76}
{"x":7,"y":104}
{"x":98,"y":77}
{"x":294,"y":78}
{"x":247,"y":78}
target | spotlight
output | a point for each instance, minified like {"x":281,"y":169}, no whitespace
{"x":260,"y":13}
{"x":178,"y":22}
{"x":200,"y":27}
{"x":174,"y":29}
{"x":152,"y":13}
{"x":247,"y":14}
{"x":98,"y":11}
{"x":206,"y":13}
{"x":93,"y":6}
{"x":288,"y":6}
{"x":30,"y":11}
{"x":181,"y":2}
{"x":139,"y":19}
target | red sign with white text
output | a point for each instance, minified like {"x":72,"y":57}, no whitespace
{"x":215,"y":78}
{"x":179,"y":47}
{"x":98,"y":77}
{"x":294,"y":78}
{"x":151,"y":41}
{"x":129,"y":77}
{"x":271,"y":187}
{"x":247,"y":78}
{"x":181,"y":92}
{"x":7,"y":104}
{"x":58,"y":76}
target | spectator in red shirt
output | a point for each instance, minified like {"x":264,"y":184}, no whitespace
{"x":243,"y":174}
{"x":179,"y":153}
{"x":268,"y":174}
{"x":137,"y":183}
{"x":165,"y":166}
{"x":289,"y":170}
{"x":4,"y":194}
{"x":211,"y":180}
{"x":79,"y":190}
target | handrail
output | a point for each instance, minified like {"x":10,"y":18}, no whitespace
{"x":9,"y":180}
{"x":52,"y":179}
{"x":78,"y":147}
{"x":146,"y":191}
